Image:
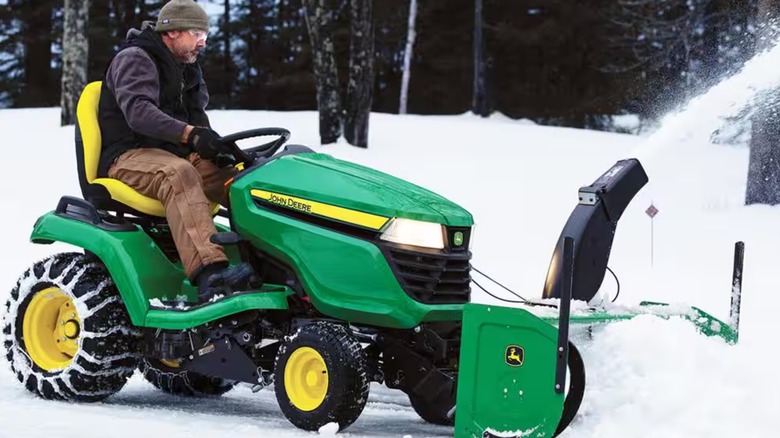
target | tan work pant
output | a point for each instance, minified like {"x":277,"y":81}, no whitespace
{"x":185,"y":187}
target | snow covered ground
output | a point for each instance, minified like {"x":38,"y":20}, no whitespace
{"x":646,"y":377}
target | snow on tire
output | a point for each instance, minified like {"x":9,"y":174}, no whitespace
{"x":66,"y":332}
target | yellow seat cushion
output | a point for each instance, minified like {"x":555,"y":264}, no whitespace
{"x":125,"y":194}
{"x":87,"y":115}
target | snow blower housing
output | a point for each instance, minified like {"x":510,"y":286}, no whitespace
{"x":365,"y":278}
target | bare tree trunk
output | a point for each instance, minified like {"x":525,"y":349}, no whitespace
{"x":763,"y":179}
{"x":226,"y":29}
{"x":360,"y":88}
{"x":227,"y":51}
{"x":74,"y":58}
{"x":410,"y":36}
{"x":319,"y":19}
{"x":480,"y":99}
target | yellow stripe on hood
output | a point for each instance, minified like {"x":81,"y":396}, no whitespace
{"x":355,"y":217}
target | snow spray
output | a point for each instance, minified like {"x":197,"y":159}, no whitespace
{"x":697,"y":120}
{"x":705,"y":113}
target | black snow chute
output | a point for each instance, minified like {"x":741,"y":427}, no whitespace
{"x":592,"y":225}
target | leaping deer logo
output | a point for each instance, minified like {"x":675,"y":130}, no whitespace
{"x":514,"y":355}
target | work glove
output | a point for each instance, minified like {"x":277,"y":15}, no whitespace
{"x":224,"y":160}
{"x":205,"y":142}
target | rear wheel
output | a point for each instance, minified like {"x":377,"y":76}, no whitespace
{"x":169,"y":377}
{"x":66,"y":332}
{"x":320,"y":377}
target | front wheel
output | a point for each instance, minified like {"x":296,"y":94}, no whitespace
{"x":320,"y":377}
{"x":66,"y":332}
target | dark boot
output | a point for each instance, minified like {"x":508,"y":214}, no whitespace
{"x":220,"y":279}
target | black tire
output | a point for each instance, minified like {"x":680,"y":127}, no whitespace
{"x":103,"y":346}
{"x":435,"y":411}
{"x":345,"y":367}
{"x":176,"y":381}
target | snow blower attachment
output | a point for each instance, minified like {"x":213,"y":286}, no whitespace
{"x":515,"y":362}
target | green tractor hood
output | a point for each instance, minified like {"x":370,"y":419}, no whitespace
{"x":322,"y":178}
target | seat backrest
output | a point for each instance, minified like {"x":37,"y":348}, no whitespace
{"x":88,"y":141}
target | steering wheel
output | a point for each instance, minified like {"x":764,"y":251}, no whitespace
{"x":265,"y":150}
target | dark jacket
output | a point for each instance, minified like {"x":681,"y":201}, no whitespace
{"x":148,"y":98}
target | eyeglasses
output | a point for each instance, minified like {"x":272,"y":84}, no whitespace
{"x":199,"y":35}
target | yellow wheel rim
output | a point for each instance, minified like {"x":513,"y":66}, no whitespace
{"x":51,"y":329}
{"x":170,"y":363}
{"x":306,"y":379}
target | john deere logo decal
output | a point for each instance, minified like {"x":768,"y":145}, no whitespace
{"x":514,"y":355}
{"x":458,"y":239}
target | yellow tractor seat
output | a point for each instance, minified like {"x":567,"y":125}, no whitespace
{"x":105,"y":193}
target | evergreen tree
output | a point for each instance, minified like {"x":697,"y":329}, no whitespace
{"x":676,"y":49}
{"x":220,"y":67}
{"x":11,"y":54}
{"x":37,"y":38}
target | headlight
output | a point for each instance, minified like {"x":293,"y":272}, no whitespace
{"x":417,"y":233}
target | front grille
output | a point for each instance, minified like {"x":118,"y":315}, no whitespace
{"x":431,"y":278}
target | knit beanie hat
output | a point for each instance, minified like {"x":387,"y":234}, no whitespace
{"x":182,"y":15}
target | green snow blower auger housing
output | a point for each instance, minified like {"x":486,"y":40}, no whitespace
{"x":363,"y":278}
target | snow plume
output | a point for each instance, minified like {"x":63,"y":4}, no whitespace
{"x":704,"y":114}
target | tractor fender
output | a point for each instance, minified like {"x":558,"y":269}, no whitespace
{"x":135,"y":262}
